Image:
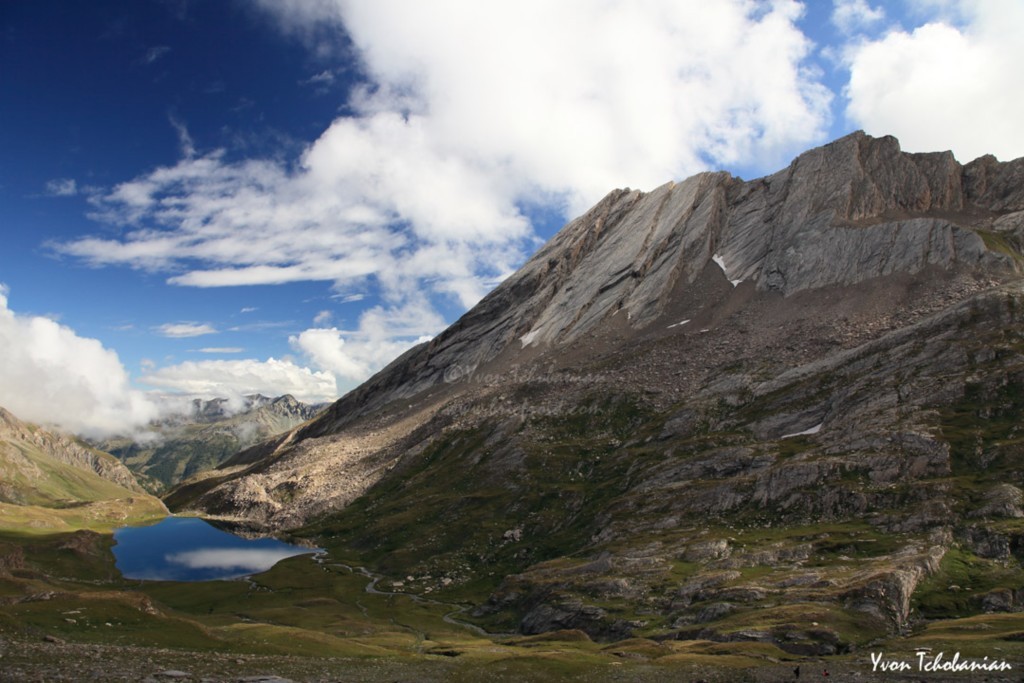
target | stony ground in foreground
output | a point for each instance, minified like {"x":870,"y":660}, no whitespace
{"x":45,"y":661}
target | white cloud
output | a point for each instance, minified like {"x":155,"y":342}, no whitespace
{"x":182,"y":330}
{"x":580,"y":97}
{"x":322,"y":318}
{"x":235,"y":378}
{"x":50,"y":375}
{"x":326,"y":349}
{"x":221,"y":349}
{"x":62,"y":187}
{"x":472,"y":112}
{"x":383,"y":334}
{"x":324,"y":78}
{"x":945,"y":85}
{"x":850,"y":16}
{"x":249,"y":309}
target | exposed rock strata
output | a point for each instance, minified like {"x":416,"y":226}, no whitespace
{"x":850,"y":212}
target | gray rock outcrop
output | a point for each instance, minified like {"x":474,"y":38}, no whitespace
{"x":856,"y":209}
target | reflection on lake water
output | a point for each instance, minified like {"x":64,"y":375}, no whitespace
{"x":189,"y":549}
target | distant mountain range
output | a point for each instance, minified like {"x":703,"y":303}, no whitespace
{"x":191,"y":442}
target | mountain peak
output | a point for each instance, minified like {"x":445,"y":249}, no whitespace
{"x":856,"y":211}
{"x":850,"y":211}
{"x":813,"y":374}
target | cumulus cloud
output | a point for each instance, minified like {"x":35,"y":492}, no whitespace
{"x":852,"y":15}
{"x":472,"y":116}
{"x":236,"y":378}
{"x":580,"y":97}
{"x":183,"y":330}
{"x":50,"y":375}
{"x":952,"y":83}
{"x":382,"y":334}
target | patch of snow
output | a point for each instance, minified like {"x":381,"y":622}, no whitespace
{"x":527,"y":339}
{"x":807,"y":432}
{"x":717,"y":258}
{"x":678,"y":324}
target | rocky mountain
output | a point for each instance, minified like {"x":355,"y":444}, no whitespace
{"x":782,"y":410}
{"x":42,"y":470}
{"x":31,"y":455}
{"x":205,"y":435}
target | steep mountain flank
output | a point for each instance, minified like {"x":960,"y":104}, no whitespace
{"x":781,"y":410}
{"x":22,"y":445}
{"x":208,"y":434}
{"x":43,"y":471}
{"x":842,"y":214}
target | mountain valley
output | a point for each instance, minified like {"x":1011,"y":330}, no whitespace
{"x":703,"y":411}
{"x":182,"y":445}
{"x":725,"y":426}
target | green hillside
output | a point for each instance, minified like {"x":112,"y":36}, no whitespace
{"x":49,"y":481}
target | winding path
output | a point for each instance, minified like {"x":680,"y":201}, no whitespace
{"x":448,"y":617}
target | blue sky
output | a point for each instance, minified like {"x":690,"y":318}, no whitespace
{"x":216,"y":197}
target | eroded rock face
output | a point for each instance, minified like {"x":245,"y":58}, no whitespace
{"x":1004,"y":500}
{"x":842,"y":214}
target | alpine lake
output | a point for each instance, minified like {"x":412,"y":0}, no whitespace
{"x":191,"y":549}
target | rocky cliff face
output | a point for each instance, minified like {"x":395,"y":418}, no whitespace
{"x":842,"y":214}
{"x":782,"y":409}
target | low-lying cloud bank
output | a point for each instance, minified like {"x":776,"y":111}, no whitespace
{"x":234,"y":378}
{"x":52,"y":376}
